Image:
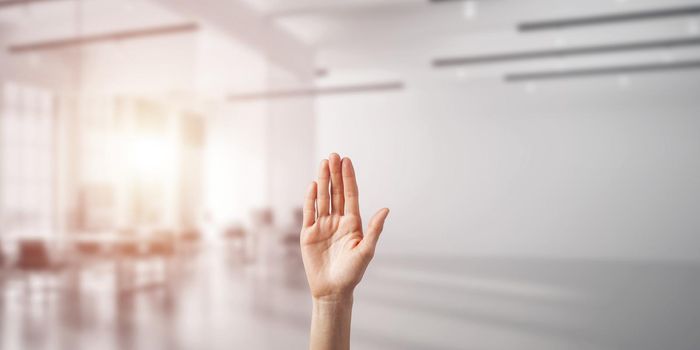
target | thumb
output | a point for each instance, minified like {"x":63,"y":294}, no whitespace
{"x":376,"y":225}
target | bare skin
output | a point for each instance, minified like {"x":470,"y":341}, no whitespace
{"x":336,"y":250}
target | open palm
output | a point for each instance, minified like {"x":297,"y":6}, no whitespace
{"x":334,"y":247}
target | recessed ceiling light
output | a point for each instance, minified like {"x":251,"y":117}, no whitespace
{"x":470,"y":9}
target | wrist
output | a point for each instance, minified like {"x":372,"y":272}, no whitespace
{"x":344,"y":299}
{"x":333,"y":308}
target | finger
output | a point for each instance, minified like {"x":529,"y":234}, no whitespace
{"x":337,"y":198}
{"x":375,"y":228}
{"x":310,"y":206}
{"x":323,"y":198}
{"x":352,"y":205}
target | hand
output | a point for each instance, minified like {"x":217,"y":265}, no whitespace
{"x":334,"y":248}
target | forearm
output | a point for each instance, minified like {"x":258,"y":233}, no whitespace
{"x":330,"y":323}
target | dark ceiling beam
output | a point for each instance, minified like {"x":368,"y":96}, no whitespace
{"x":446,"y":1}
{"x":336,"y":90}
{"x":97,"y":38}
{"x":588,"y":21}
{"x":602,"y":71}
{"x":328,"y":8}
{"x":564,"y":52}
{"x":12,"y":3}
{"x":321,"y":6}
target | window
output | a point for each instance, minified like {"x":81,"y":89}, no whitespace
{"x":26,"y":160}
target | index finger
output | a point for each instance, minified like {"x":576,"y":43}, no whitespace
{"x":310,"y":206}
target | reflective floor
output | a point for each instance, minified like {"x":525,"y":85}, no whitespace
{"x":208,"y":300}
{"x":204,"y":301}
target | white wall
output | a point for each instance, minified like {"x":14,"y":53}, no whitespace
{"x":576,"y":169}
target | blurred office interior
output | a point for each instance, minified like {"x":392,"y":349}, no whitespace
{"x":541,"y":159}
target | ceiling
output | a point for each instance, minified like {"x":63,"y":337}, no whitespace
{"x":400,"y":38}
{"x":363,"y":39}
{"x":47,"y":19}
